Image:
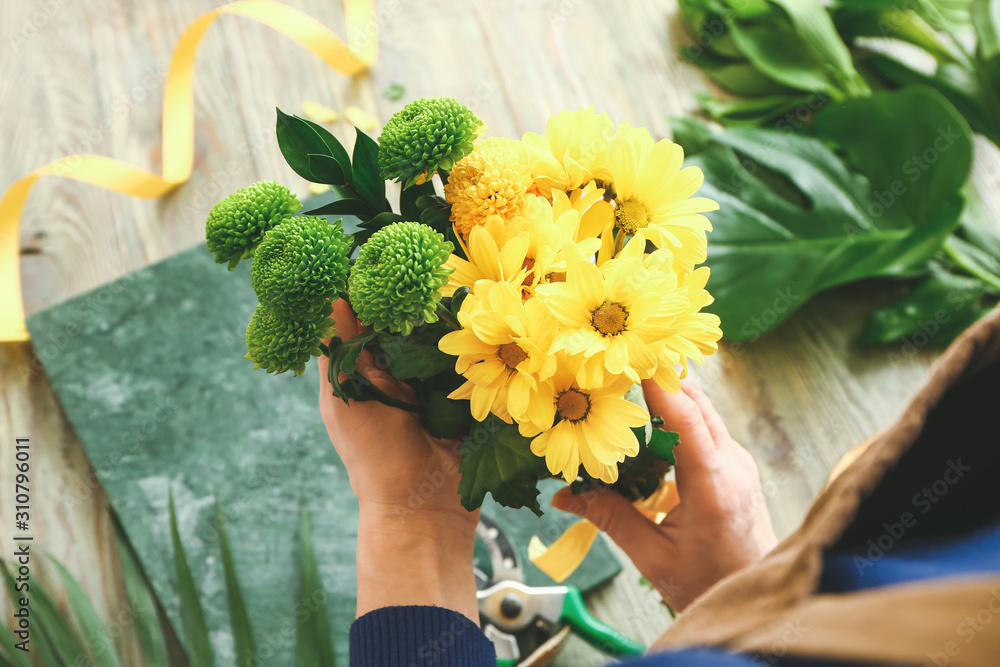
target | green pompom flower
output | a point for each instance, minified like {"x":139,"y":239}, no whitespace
{"x":396,"y":282}
{"x":426,"y":135}
{"x":278,"y":345}
{"x":238,"y":223}
{"x":299,"y":265}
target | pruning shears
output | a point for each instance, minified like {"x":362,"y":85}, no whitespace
{"x":523,"y":621}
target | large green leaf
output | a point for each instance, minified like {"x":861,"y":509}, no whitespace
{"x":198,"y":646}
{"x":314,"y":644}
{"x":239,"y":619}
{"x":912,"y":145}
{"x":794,"y":221}
{"x":497,"y":459}
{"x":934,"y":311}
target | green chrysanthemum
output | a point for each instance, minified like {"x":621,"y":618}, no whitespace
{"x":299,"y":265}
{"x":426,"y":135}
{"x":279,"y":345}
{"x":396,"y":282}
{"x":238,"y":223}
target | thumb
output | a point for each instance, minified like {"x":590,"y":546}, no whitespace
{"x":616,"y":516}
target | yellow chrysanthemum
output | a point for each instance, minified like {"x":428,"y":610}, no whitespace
{"x":502,"y":350}
{"x":689,"y":334}
{"x":491,"y":180}
{"x":493,"y":256}
{"x":574,"y":142}
{"x":593,"y":426}
{"x":654,"y":194}
{"x":595,"y":212}
{"x":614,"y":314}
{"x":551,"y":235}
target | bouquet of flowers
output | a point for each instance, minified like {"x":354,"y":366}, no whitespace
{"x":523,"y":297}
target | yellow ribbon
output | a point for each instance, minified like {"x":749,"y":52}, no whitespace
{"x":561,"y":558}
{"x":178,"y":128}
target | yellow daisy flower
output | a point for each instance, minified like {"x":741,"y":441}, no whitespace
{"x":574,"y":142}
{"x":652,"y":193}
{"x":593,"y":426}
{"x":502,"y":350}
{"x":551,"y":235}
{"x":493,"y":256}
{"x":491,"y":180}
{"x":595,"y":212}
{"x":614,"y":314}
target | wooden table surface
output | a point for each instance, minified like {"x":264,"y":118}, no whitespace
{"x":86,"y":76}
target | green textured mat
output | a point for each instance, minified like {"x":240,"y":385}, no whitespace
{"x":150,"y":371}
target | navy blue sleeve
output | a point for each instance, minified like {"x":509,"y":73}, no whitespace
{"x":419,"y":636}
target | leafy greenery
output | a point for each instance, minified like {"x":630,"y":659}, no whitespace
{"x":840,"y":183}
{"x":497,"y":459}
{"x":80,"y":636}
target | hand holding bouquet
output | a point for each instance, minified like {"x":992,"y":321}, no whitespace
{"x":522,"y":307}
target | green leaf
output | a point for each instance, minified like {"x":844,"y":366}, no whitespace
{"x":940,"y":306}
{"x":143,"y":605}
{"x":794,"y":221}
{"x":986,"y":19}
{"x":911,"y":144}
{"x":368,"y":179}
{"x":497,"y":459}
{"x":408,"y":206}
{"x":345,"y":206}
{"x":435,"y":212}
{"x":458,"y":298}
{"x":343,"y":357}
{"x":97,"y":640}
{"x":326,"y":169}
{"x":372,"y":225}
{"x":661,"y":444}
{"x":298,"y":138}
{"x":199,"y":648}
{"x":239,"y":619}
{"x":445,"y":417}
{"x":314,"y":644}
{"x":409,"y":359}
{"x":956,"y":83}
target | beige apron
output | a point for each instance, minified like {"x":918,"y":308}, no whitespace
{"x":772,"y":608}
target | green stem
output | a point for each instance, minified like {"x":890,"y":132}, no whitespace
{"x":973,"y":268}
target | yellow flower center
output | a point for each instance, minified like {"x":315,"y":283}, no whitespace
{"x":631,"y":215}
{"x":511,"y":354}
{"x":609,"y":319}
{"x":573,"y":405}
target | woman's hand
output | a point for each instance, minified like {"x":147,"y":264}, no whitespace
{"x":415,"y":539}
{"x":721,"y":525}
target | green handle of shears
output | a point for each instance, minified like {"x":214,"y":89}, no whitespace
{"x":506,"y":663}
{"x":599,"y":635}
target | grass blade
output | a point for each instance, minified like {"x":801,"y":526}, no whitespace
{"x":314,"y":644}
{"x":94,"y":631}
{"x":7,"y":642}
{"x":55,"y":640}
{"x":238,"y":617}
{"x":144,"y":609}
{"x":192,"y":615}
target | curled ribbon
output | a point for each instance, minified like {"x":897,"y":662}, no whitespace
{"x":178,"y":128}
{"x":561,"y":558}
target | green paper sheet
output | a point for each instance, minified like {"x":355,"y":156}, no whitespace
{"x":150,"y":371}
